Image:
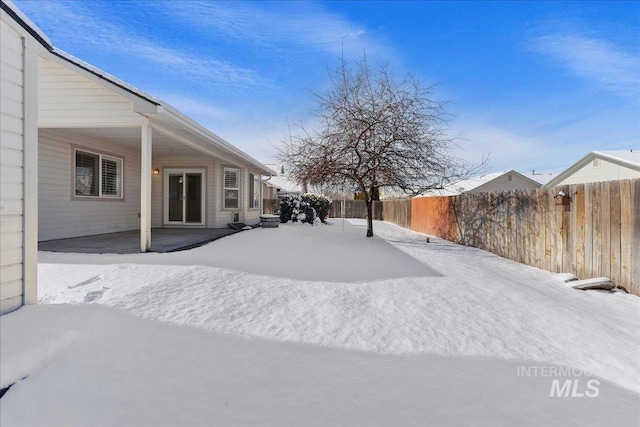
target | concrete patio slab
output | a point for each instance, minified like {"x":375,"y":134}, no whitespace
{"x":299,"y":252}
{"x":128,"y":242}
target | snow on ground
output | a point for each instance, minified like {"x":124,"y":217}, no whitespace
{"x":114,"y":369}
{"x":420,"y":329}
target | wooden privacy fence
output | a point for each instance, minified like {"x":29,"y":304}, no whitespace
{"x":354,"y":209}
{"x":397,"y":212}
{"x":594,"y":231}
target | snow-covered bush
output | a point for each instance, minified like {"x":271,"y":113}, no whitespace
{"x":304,"y":208}
{"x":296,"y":208}
{"x":321,"y":204}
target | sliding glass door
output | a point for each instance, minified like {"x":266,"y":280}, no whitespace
{"x":184,"y":194}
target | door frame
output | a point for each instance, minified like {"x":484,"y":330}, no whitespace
{"x":203,"y":199}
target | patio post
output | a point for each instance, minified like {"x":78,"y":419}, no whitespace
{"x":145,"y":186}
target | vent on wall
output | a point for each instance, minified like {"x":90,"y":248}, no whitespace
{"x":596,"y":163}
{"x":236,"y":217}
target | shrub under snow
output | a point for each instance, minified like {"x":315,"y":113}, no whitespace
{"x":304,"y":208}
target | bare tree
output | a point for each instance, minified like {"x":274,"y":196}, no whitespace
{"x":374,"y":131}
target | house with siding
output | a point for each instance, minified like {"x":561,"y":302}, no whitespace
{"x":498,"y":181}
{"x":21,"y":42}
{"x":85,"y":153}
{"x":600,"y":166}
{"x":280,"y":184}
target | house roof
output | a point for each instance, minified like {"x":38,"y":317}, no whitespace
{"x":163,"y":109}
{"x":626,"y":158}
{"x":466,"y":185}
{"x":282,"y":181}
{"x":153,"y":106}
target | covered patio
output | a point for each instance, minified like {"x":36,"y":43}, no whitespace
{"x":112,"y":159}
{"x":128,"y":242}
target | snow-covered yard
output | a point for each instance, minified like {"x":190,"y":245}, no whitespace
{"x":306,"y":325}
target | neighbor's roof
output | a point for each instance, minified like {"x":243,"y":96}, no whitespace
{"x":466,"y":185}
{"x":627,"y":158}
{"x":282,"y":181}
{"x":541,"y":178}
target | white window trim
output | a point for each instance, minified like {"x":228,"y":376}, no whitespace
{"x":100,"y":157}
{"x":225,"y":188}
{"x":256,"y":180}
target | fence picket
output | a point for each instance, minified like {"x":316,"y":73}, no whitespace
{"x":614,"y":230}
{"x":605,"y":230}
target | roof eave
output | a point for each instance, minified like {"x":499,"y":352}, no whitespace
{"x":214,"y":139}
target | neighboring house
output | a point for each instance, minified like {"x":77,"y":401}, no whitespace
{"x":498,"y":181}
{"x":84,"y":153}
{"x":279,"y":184}
{"x":600,"y":166}
{"x":20,"y":44}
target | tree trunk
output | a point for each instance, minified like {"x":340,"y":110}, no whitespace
{"x":369,"y":202}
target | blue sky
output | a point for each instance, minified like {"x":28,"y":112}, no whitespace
{"x":537,"y":85}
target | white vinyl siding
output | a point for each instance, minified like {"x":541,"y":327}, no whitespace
{"x":231,"y":188}
{"x":507,"y":182}
{"x":602,"y":170}
{"x":61,"y":213}
{"x":18,"y":166}
{"x":68,"y":99}
{"x":11,"y":169}
{"x":255,"y":187}
{"x":97,"y":175}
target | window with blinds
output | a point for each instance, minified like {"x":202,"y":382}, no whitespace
{"x":86,"y":182}
{"x":97,"y":175}
{"x":110,"y":177}
{"x":231,"y":188}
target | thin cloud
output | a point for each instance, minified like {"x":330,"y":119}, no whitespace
{"x":506,"y":148}
{"x":300,"y":24}
{"x":80,"y":28}
{"x":593,"y":59}
{"x":199,"y":110}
